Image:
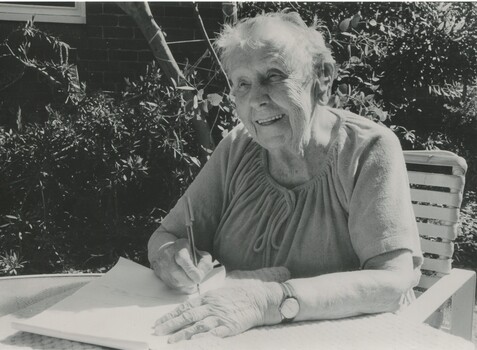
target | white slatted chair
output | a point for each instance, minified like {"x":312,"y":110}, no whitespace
{"x":437,"y":182}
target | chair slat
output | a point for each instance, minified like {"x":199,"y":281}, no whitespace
{"x":440,"y":248}
{"x":427,"y":282}
{"x":436,"y":197}
{"x":439,"y":180}
{"x":429,"y":212}
{"x":436,"y":157}
{"x":437,"y":265}
{"x":448,"y":232}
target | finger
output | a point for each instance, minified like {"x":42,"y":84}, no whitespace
{"x":203,"y":326}
{"x":205,"y":264}
{"x":220,"y":331}
{"x":184,"y":260}
{"x":188,"y":305}
{"x":167,"y":269}
{"x":178,"y":277}
{"x":156,"y":268}
{"x":184,"y":319}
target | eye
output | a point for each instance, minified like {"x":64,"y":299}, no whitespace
{"x":242,"y":86}
{"x":275,"y":76}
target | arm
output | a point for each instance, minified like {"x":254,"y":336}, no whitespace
{"x":159,"y":239}
{"x":168,"y":248}
{"x":377,"y":288}
{"x":229,"y":311}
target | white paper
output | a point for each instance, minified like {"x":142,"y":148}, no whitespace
{"x":117,"y":310}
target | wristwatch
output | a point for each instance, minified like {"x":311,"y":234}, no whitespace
{"x":289,"y":306}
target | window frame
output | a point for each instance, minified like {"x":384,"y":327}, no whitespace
{"x":50,"y":14}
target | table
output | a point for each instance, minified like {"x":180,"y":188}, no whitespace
{"x":27,"y":296}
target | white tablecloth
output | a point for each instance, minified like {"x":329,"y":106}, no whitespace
{"x":384,"y":331}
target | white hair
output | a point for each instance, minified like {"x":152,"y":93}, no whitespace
{"x":284,"y":31}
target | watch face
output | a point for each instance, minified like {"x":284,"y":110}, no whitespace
{"x":289,"y":308}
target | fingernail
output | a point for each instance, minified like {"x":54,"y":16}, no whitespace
{"x":198,"y":336}
{"x":172,"y":340}
{"x":161,"y":320}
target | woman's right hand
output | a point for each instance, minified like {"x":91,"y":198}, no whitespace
{"x":174,"y":265}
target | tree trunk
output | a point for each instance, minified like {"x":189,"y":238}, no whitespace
{"x":141,"y":14}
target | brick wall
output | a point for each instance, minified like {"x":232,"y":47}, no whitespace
{"x":109,"y":47}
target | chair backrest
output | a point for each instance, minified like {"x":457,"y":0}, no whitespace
{"x":437,"y":181}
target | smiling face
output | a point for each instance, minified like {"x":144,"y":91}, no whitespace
{"x":273,"y":97}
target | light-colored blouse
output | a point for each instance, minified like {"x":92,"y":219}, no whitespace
{"x":356,"y":208}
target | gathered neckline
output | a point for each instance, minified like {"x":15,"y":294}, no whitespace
{"x":327,"y":162}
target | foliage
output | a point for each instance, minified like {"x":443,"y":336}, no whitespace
{"x":90,"y":181}
{"x":35,"y":64}
{"x":10,"y":263}
{"x":90,"y":185}
{"x":466,"y":243}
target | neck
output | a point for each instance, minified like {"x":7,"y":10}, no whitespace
{"x":291,"y":168}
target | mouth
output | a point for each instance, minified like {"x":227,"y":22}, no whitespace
{"x":269,"y":121}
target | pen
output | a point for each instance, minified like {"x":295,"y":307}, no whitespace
{"x":189,"y":216}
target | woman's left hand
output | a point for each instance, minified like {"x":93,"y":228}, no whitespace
{"x":223,"y":312}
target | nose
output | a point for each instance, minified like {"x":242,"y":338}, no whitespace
{"x":259,"y":96}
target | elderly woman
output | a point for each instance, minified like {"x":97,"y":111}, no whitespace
{"x":319,"y":192}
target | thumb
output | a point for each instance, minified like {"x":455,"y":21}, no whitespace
{"x":205,"y":264}
{"x":184,"y":260}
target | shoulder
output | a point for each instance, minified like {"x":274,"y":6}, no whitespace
{"x":361,"y":136}
{"x":235,"y":149}
{"x":236,"y":140}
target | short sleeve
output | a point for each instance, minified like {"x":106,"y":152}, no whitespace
{"x":381,"y":217}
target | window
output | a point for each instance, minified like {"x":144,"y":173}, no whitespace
{"x":58,"y":12}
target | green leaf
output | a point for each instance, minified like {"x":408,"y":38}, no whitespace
{"x":355,"y":20}
{"x":200,"y":94}
{"x":349,"y":35}
{"x":459,"y":25}
{"x":186,"y":88}
{"x":214,"y":99}
{"x":343,"y":88}
{"x":195,"y":161}
{"x":446,"y":7}
{"x":344,"y":25}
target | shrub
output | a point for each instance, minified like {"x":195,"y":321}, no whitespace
{"x":36,"y":64}
{"x":466,"y":243}
{"x":88,"y":186}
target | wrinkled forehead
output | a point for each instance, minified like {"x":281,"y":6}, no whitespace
{"x":246,"y":62}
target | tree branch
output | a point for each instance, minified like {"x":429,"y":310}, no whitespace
{"x":209,"y":44}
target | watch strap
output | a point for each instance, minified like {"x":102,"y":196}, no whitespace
{"x":287,"y":290}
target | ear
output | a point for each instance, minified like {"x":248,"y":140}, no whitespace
{"x":323,"y":83}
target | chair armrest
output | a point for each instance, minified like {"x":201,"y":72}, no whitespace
{"x":424,"y":306}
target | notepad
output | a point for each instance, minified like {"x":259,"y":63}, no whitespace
{"x":117,"y":310}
